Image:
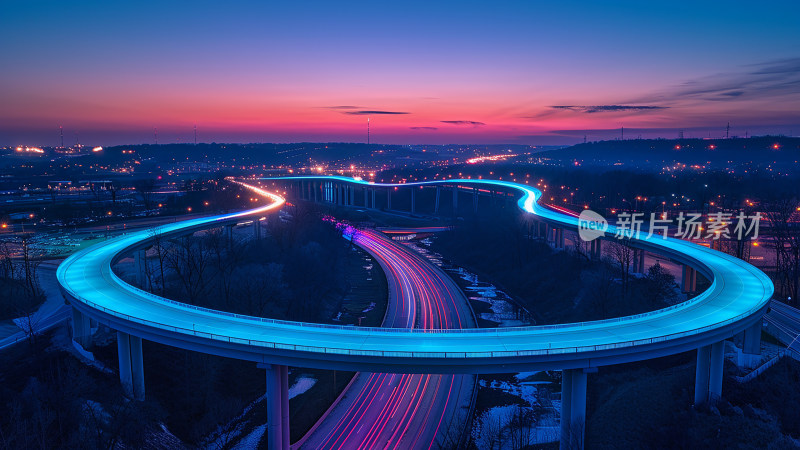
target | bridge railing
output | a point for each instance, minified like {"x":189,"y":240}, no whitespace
{"x":389,"y":353}
{"x":499,"y":330}
{"x":367,"y":330}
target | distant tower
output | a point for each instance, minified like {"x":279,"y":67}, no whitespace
{"x":367,"y":130}
{"x":728,"y":131}
{"x":584,"y":138}
{"x":61,"y":130}
{"x":155,"y":135}
{"x":622,"y":133}
{"x":680,"y":134}
{"x":195,"y":134}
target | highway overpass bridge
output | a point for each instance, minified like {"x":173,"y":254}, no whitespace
{"x":735,"y":302}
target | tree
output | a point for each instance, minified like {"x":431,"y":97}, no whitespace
{"x":663,"y":285}
{"x":786,"y":242}
{"x":622,"y":253}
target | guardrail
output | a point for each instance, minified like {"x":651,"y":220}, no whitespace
{"x":286,"y":325}
{"x":396,"y":354}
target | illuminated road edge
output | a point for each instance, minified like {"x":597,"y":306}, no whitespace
{"x":735,"y":302}
{"x":738,"y":297}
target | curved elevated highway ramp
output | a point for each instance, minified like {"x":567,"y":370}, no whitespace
{"x":737,"y":299}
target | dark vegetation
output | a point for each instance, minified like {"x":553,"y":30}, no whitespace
{"x":647,"y":405}
{"x":52,"y":400}
{"x":297,"y":272}
{"x":300,"y":269}
{"x":20,"y":293}
{"x":557,"y":287}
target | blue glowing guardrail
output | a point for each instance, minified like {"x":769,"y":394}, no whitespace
{"x":760,"y":290}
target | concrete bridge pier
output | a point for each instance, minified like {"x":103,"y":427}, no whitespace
{"x":277,"y":406}
{"x":541,"y":230}
{"x":388,"y":199}
{"x":374,"y":205}
{"x":596,"y":249}
{"x":413,"y":200}
{"x":688,"y":279}
{"x":573,"y":408}
{"x":256,"y":228}
{"x":81,"y":329}
{"x":131,"y":365}
{"x":229,"y":233}
{"x":708,"y":374}
{"x":750,"y":355}
{"x":366,"y":197}
{"x":436,"y":203}
{"x":475,"y":200}
{"x":559,"y":237}
{"x":638,"y":261}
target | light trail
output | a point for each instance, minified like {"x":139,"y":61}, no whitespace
{"x":420,"y":296}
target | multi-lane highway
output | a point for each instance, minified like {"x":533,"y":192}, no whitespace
{"x":403,"y":410}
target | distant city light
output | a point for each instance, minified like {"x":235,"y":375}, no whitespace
{"x":97,"y":149}
{"x":480,"y":159}
{"x":30,"y":150}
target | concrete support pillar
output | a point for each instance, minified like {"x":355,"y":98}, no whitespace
{"x":315,"y":188}
{"x":566,"y":403}
{"x":436,"y":203}
{"x":559,"y":238}
{"x":139,"y":261}
{"x":256,"y":228}
{"x":277,"y":406}
{"x":413,"y":200}
{"x":81,"y":329}
{"x":688,"y":279}
{"x":285,"y":434}
{"x":131,"y":364}
{"x":642,"y":269}
{"x":595,"y":251}
{"x":229,"y":233}
{"x":388,"y":199}
{"x":578,"y":409}
{"x":715,"y":371}
{"x":475,"y":200}
{"x":750,"y":355}
{"x":352,"y":196}
{"x":573,"y":408}
{"x":455,"y":200}
{"x":373,"y":199}
{"x":702,"y":375}
{"x":366,"y":198}
{"x":752,"y":339}
{"x":635,"y":261}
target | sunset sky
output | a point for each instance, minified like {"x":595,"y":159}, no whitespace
{"x":423,"y":72}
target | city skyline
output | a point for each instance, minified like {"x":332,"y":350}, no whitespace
{"x":433,"y":74}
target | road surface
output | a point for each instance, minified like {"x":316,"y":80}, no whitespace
{"x":405,"y":411}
